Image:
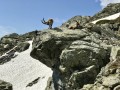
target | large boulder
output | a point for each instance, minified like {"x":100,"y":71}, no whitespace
{"x":75,"y":56}
{"x":81,"y":19}
{"x":109,"y":76}
{"x":107,"y":79}
{"x":81,"y":62}
{"x":52,"y":42}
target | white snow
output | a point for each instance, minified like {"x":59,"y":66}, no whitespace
{"x":111,"y":17}
{"x":23,"y":69}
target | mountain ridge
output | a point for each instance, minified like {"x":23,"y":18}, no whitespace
{"x":84,"y":58}
{"x":110,"y":9}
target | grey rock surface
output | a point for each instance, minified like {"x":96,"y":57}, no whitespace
{"x":111,"y":9}
{"x":76,"y":56}
{"x":5,"y":85}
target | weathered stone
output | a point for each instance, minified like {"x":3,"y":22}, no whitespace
{"x":49,"y":84}
{"x":111,"y":80}
{"x":5,"y":85}
{"x":117,"y":87}
{"x":115,"y":52}
{"x":77,"y":57}
{"x":81,"y":19}
{"x":72,"y":55}
{"x":22,"y":46}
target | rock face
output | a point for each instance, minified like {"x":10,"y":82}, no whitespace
{"x":7,"y":42}
{"x":22,"y":46}
{"x":87,"y":58}
{"x":108,"y":78}
{"x":13,"y":52}
{"x":80,"y":58}
{"x":5,"y":85}
{"x":82,"y":20}
{"x":75,"y":56}
{"x":107,"y":11}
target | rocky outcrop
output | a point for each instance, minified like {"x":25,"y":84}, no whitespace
{"x":8,"y":56}
{"x":108,"y":78}
{"x":22,"y":46}
{"x":112,"y":25}
{"x":5,"y":85}
{"x":79,"y":57}
{"x":13,"y":52}
{"x":111,"y":9}
{"x":75,"y":56}
{"x":82,"y":20}
{"x":7,"y":42}
{"x":29,"y":35}
{"x":86,"y":58}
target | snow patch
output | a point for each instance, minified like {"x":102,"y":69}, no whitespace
{"x":111,"y":17}
{"x":23,"y":69}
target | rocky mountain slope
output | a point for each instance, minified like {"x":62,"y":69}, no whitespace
{"x":24,"y":72}
{"x":111,"y":9}
{"x":76,"y":56}
{"x":84,"y":58}
{"x":7,"y":42}
{"x":80,"y":58}
{"x":81,"y":19}
{"x":115,"y":18}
